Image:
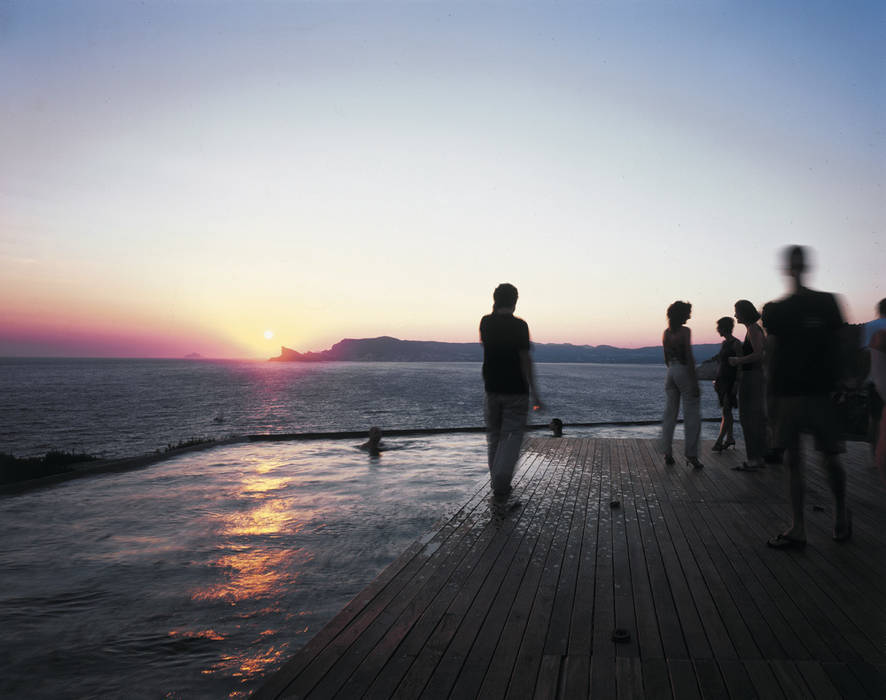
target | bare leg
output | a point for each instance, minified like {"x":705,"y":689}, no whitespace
{"x":837,"y":480}
{"x":721,"y":436}
{"x":669,"y":420}
{"x":797,"y":530}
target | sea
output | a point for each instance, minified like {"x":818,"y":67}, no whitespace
{"x":199,"y":575}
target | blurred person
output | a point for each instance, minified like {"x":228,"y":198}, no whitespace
{"x":878,"y":375}
{"x":805,"y":372}
{"x":751,"y":386}
{"x":681,"y":382}
{"x":875,"y":393}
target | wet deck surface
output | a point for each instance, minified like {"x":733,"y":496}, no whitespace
{"x":525,"y":605}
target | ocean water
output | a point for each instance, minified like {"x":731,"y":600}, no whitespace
{"x":117,"y":408}
{"x":199,"y":575}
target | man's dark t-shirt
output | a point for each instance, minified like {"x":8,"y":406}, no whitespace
{"x":503,"y":337}
{"x":806,"y":361}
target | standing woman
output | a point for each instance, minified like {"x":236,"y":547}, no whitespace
{"x":681,"y":381}
{"x":751,"y":387}
{"x":726,"y":384}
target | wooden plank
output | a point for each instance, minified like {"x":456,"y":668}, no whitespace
{"x":602,"y":681}
{"x":738,"y":682}
{"x":764,"y":680}
{"x":845,"y":681}
{"x":431,"y":630}
{"x":576,"y":676}
{"x":525,"y":605}
{"x":649,"y":521}
{"x":548,"y":681}
{"x":557,"y":641}
{"x":789,"y":678}
{"x":817,"y":681}
{"x":581,"y":620}
{"x":710,"y":680}
{"x":604,"y":595}
{"x":493,"y":596}
{"x":629,"y":678}
{"x":511,"y":673}
{"x":649,"y":638}
{"x":623,"y":585}
{"x":681,"y":584}
{"x":436,"y":671}
{"x":802,"y":580}
{"x":656,"y":680}
{"x":873,"y":678}
{"x":683,"y":679}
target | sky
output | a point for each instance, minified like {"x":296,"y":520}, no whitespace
{"x":225,"y":178}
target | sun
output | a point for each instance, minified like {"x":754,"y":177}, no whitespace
{"x":269,"y":335}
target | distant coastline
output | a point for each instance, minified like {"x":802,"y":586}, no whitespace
{"x":388,"y":349}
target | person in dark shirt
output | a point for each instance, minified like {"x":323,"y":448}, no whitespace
{"x":805,"y":371}
{"x":725,"y":383}
{"x":509,"y":380}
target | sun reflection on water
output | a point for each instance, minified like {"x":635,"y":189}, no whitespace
{"x":257,"y":562}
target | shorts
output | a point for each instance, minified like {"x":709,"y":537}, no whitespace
{"x":815,"y":415}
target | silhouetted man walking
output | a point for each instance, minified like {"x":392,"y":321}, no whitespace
{"x":509,"y":380}
{"x":805,"y":369}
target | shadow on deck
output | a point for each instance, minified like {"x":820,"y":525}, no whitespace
{"x":525,"y":605}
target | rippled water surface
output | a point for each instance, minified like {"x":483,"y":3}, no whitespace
{"x":195,"y":577}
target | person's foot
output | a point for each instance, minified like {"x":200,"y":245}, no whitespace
{"x":786,"y":541}
{"x":749,"y":467}
{"x":717,"y":447}
{"x":729,"y":443}
{"x":669,"y":460}
{"x":503,"y":506}
{"x":694,"y":462}
{"x":843,"y":527}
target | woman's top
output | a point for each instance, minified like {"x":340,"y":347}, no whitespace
{"x":675,"y":347}
{"x":747,"y":348}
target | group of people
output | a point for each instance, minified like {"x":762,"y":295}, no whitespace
{"x":800,"y":351}
{"x":739,"y":383}
{"x":781,"y":379}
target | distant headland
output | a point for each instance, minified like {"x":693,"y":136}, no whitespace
{"x":387,"y":349}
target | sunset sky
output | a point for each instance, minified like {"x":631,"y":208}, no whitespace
{"x":228,"y":177}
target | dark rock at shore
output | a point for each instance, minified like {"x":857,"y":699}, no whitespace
{"x":387,"y":349}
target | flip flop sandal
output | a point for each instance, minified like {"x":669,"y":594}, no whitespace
{"x":745,"y":467}
{"x":782,"y":541}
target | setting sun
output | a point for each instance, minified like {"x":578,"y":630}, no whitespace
{"x":269,"y":335}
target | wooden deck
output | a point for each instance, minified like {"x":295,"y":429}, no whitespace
{"x":525,"y":605}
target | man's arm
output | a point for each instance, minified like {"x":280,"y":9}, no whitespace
{"x":529,"y":376}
